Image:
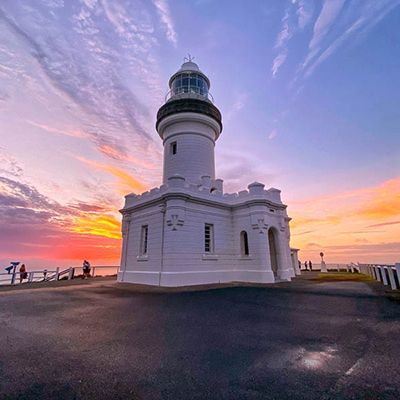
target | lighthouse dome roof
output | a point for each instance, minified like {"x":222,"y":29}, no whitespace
{"x":189,"y":67}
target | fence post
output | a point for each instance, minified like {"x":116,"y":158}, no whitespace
{"x":397,"y":266}
{"x":378,"y":273}
{"x":30,"y":277}
{"x":13,"y":275}
{"x":93,"y":271}
{"x":56,"y":276}
{"x":384,"y":279}
{"x":70,"y":273}
{"x":391,"y":278}
{"x":337,"y":267}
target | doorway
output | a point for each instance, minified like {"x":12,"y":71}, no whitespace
{"x":273,"y":251}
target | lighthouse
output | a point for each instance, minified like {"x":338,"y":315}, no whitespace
{"x":188,"y":231}
{"x":189,"y":125}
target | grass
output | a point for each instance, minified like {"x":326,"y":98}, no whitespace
{"x":341,"y":276}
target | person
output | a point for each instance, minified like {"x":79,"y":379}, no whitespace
{"x":22,"y":273}
{"x":310,"y":265}
{"x":299,"y":265}
{"x":306,"y":265}
{"x":86,"y":269}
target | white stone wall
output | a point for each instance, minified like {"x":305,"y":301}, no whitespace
{"x":176,"y":242}
{"x":193,"y":159}
{"x":134,"y":267}
{"x":195,"y":135}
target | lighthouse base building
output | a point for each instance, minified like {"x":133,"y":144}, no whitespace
{"x":188,"y":231}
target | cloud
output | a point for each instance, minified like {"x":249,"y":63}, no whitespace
{"x":296,"y":17}
{"x":382,"y":201}
{"x":126,"y":182}
{"x":278,"y":62}
{"x":33,"y":225}
{"x":163,"y":10}
{"x":72,"y":133}
{"x":238,"y":104}
{"x":383,"y":224}
{"x":382,"y":252}
{"x":339,"y":24}
{"x":302,"y":233}
{"x":111,"y":147}
{"x":329,"y":12}
{"x":313,"y":245}
{"x":9,"y":166}
{"x":285,"y":33}
{"x":304,"y":12}
{"x":99,"y":225}
{"x":92,"y":68}
{"x":86,"y":207}
{"x":273,"y":134}
{"x":89,"y":73}
{"x":347,"y":219}
{"x":281,"y":43}
{"x":392,"y":247}
{"x":17,"y":194}
{"x":238,"y":170}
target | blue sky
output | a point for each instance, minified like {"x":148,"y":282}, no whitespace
{"x":309,"y":91}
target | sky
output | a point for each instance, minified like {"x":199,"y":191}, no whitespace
{"x":309,"y":92}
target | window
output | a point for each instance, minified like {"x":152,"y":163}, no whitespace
{"x":244,"y":244}
{"x":174,"y":147}
{"x":143,"y":240}
{"x":189,"y":83}
{"x":208,"y":238}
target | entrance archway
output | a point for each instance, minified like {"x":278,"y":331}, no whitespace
{"x":273,"y":251}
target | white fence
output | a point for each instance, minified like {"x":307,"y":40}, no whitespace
{"x":13,"y":277}
{"x":329,"y":267}
{"x":387,"y":274}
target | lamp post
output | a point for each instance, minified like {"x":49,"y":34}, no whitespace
{"x":323,"y":264}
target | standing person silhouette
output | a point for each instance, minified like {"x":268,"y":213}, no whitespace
{"x":306,"y":265}
{"x":310,"y":265}
{"x":86,"y":269}
{"x":22,"y":273}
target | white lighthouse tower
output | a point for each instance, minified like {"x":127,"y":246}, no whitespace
{"x":189,"y":125}
{"x":188,"y":231}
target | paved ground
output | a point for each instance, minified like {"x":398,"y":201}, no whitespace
{"x":306,"y":340}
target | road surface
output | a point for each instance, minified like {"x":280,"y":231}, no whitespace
{"x":101,"y":340}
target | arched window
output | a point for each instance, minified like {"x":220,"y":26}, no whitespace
{"x":244,"y":244}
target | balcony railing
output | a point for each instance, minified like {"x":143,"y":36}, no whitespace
{"x":45,"y":275}
{"x":171,"y":95}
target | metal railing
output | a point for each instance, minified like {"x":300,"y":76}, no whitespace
{"x":189,"y":95}
{"x":329,"y":266}
{"x":45,"y":275}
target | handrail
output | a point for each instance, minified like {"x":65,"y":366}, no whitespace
{"x":46,"y":275}
{"x":171,"y":95}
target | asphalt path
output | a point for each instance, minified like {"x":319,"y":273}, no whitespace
{"x":101,"y":340}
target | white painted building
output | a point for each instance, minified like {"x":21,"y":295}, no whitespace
{"x":188,"y":231}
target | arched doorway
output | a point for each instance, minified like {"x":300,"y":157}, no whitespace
{"x":273,"y":251}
